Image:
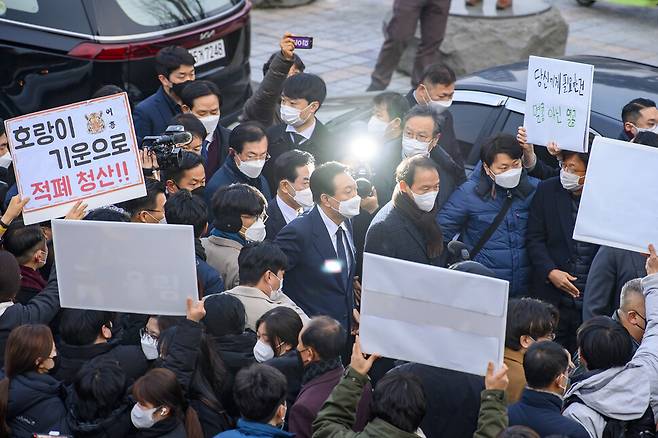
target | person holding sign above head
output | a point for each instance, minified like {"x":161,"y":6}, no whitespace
{"x":560,"y":263}
{"x":639,"y":115}
{"x":187,"y":173}
{"x":239,"y":212}
{"x":490,"y":212}
{"x":175,"y":68}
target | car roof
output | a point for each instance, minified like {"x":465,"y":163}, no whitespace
{"x":616,"y":82}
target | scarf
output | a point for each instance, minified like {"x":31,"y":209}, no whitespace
{"x":317,"y":369}
{"x":425,"y":222}
{"x":226,"y":235}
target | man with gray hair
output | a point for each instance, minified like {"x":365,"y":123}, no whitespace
{"x":631,"y":312}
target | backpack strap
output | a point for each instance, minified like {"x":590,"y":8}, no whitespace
{"x":493,"y":226}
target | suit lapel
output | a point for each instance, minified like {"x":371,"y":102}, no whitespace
{"x":563,"y":200}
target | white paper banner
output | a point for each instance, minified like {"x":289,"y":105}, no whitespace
{"x":125,"y":267}
{"x":619,"y":205}
{"x":430,"y":315}
{"x":84,"y":151}
{"x":558,"y":101}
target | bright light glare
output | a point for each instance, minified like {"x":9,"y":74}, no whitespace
{"x":362,"y":147}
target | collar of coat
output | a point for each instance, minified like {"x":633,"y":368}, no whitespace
{"x":521,"y":191}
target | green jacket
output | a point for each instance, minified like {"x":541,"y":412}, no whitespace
{"x":493,"y":414}
{"x":338,"y":414}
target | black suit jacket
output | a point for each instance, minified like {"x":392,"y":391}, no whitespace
{"x":153,"y":114}
{"x":313,"y":287}
{"x":216,"y":151}
{"x":280,"y":141}
{"x":392,"y":235}
{"x":549,"y":238}
{"x":275,"y":220}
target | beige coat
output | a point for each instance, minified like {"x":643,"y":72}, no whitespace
{"x":222,"y":254}
{"x":256,"y":303}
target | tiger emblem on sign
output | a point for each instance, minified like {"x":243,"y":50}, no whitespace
{"x":95,"y":122}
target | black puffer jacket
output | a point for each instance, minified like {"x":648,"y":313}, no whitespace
{"x":117,"y":424}
{"x":237,"y":351}
{"x":36,"y":405}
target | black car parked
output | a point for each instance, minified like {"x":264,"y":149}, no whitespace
{"x":56,"y":52}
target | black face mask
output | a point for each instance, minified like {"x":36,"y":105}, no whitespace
{"x":177,"y":89}
{"x":199,"y":191}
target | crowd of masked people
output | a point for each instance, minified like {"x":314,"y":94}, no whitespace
{"x":275,"y":198}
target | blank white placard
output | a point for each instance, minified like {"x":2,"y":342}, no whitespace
{"x":619,"y":204}
{"x":125,"y":267}
{"x":430,"y":315}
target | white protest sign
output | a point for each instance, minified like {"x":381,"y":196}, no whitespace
{"x":83,"y":151}
{"x":619,"y":204}
{"x":125,"y":267}
{"x":430,"y":315}
{"x":558,"y":101}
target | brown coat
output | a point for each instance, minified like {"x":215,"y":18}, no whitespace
{"x":516,"y":375}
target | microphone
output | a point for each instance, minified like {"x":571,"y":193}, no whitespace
{"x":176,"y":138}
{"x":458,"y":250}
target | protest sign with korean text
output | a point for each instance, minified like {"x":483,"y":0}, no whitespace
{"x":125,"y":267}
{"x":619,"y":204}
{"x":558,"y":102}
{"x":430,"y":315}
{"x":83,"y":151}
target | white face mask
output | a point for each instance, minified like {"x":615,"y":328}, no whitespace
{"x":654,"y":129}
{"x":149,"y":347}
{"x":251,"y":168}
{"x":508,"y":179}
{"x":438,"y":106}
{"x":411,"y":147}
{"x":349,"y":208}
{"x":377,"y":127}
{"x":570,"y":181}
{"x":275,"y":294}
{"x":303,"y":197}
{"x":263,"y":352}
{"x":256,"y":232}
{"x":210,"y":123}
{"x":5,"y":160}
{"x":142,"y":418}
{"x":426,"y":201}
{"x":292,"y":116}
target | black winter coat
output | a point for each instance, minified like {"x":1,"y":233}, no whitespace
{"x":117,"y":424}
{"x":290,"y":365}
{"x":72,"y":357}
{"x":170,"y":427}
{"x":237,"y":351}
{"x":36,"y":405}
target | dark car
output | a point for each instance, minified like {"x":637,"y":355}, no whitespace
{"x":493,"y":101}
{"x":56,"y":52}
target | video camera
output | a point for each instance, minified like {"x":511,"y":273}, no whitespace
{"x":166,"y":147}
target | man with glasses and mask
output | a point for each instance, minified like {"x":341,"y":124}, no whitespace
{"x":148,"y":209}
{"x":547,"y":366}
{"x":248,"y":146}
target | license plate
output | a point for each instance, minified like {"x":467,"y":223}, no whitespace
{"x":208,"y":52}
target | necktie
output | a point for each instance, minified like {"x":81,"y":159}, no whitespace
{"x":297,"y":138}
{"x":342,"y":255}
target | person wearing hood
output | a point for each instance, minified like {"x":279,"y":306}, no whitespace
{"x":240,"y":215}
{"x":618,"y":386}
{"x":86,"y":334}
{"x":203,"y":100}
{"x":31,"y":400}
{"x":499,"y":189}
{"x":98,"y":403}
{"x":183,"y":208}
{"x":225,"y":323}
{"x":261,"y":269}
{"x":244,"y":165}
{"x":278,"y":335}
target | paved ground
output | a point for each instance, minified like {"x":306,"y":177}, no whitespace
{"x":348,"y":34}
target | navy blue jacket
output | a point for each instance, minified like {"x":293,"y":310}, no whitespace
{"x":314,"y":288}
{"x":275,"y":220}
{"x":471,"y":209}
{"x":36,"y":405}
{"x":153,"y":114}
{"x":252,"y":429}
{"x":542,"y":412}
{"x":209,"y":277}
{"x":550,"y":237}
{"x":230,"y":174}
{"x":215,"y":151}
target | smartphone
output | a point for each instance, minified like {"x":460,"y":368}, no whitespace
{"x":302,"y":42}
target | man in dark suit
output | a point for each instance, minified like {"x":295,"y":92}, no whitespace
{"x":320,"y":345}
{"x":638,"y":115}
{"x":247,"y":156}
{"x":293,"y":171}
{"x":320,"y":247}
{"x":436,"y":91}
{"x":560,"y":264}
{"x":302,"y":96}
{"x":175,"y":67}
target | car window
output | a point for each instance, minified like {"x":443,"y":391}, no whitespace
{"x":68,"y":15}
{"x":469,"y":119}
{"x":128,"y":17}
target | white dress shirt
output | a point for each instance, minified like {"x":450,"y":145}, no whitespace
{"x":332,"y":228}
{"x":306,"y":133}
{"x":287,"y":211}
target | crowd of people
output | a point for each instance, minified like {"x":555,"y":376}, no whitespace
{"x":269,"y":346}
